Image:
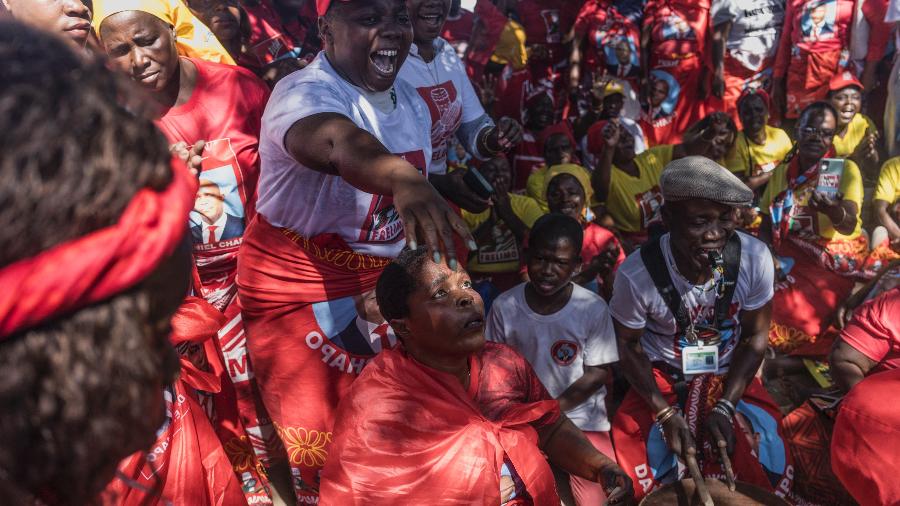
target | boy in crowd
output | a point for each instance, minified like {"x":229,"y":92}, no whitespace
{"x":564,"y":331}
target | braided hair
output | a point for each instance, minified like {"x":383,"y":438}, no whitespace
{"x":77,"y":391}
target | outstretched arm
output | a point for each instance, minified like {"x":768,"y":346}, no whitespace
{"x":332,"y":144}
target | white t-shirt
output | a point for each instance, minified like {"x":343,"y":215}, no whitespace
{"x":636,"y":303}
{"x":310,"y":202}
{"x":755,"y":27}
{"x":558,"y":346}
{"x":447,"y":92}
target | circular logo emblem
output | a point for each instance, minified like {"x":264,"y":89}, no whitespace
{"x":564,"y":352}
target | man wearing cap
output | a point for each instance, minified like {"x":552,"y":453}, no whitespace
{"x":691,"y":313}
{"x":758,"y":148}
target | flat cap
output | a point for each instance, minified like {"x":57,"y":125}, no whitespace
{"x":698,"y":177}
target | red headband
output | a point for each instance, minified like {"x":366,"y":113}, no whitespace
{"x":323,"y":5}
{"x":83,"y":271}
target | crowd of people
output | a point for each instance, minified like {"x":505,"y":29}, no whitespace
{"x":395,"y":251}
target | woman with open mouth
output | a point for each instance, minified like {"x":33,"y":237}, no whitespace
{"x":856,"y":136}
{"x":439,"y":76}
{"x":345,"y":150}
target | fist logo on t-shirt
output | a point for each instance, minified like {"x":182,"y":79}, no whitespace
{"x":564,"y":352}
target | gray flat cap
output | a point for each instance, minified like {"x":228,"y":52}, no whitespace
{"x":698,"y":177}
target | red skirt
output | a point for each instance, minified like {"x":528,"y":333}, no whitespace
{"x":300,"y":300}
{"x":804,"y":304}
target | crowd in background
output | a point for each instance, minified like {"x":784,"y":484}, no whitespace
{"x":648,"y":238}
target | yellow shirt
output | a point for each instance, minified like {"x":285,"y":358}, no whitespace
{"x":851,"y":187}
{"x":510,"y":48}
{"x":534,"y":187}
{"x":888,"y":188}
{"x":856,"y":130}
{"x":634,"y":202}
{"x":748,"y":158}
{"x":501,"y":252}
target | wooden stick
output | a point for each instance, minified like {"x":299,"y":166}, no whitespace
{"x":729,"y":471}
{"x":699,"y":482}
{"x":614,"y":495}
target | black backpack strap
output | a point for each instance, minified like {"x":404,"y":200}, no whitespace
{"x":655,"y":263}
{"x":731,"y":255}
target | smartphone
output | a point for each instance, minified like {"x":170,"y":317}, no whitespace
{"x":830,"y":172}
{"x":477,"y":183}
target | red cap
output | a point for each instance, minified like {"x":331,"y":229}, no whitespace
{"x":842,"y":80}
{"x":761,"y":93}
{"x":322,"y":6}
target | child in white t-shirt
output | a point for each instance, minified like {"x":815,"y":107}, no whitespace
{"x":564,"y":331}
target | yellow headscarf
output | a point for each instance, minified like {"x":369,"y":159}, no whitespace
{"x":510,"y":49}
{"x":192,"y":37}
{"x":577,"y":171}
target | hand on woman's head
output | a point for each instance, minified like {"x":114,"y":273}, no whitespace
{"x":433,"y":309}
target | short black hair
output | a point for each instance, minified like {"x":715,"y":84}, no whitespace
{"x":819,"y":106}
{"x":552,"y":227}
{"x":562,"y":176}
{"x":398,"y":281}
{"x":715,"y":118}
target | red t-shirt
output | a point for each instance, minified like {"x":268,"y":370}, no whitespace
{"x":547,"y":22}
{"x":225,"y":110}
{"x":865,"y":444}
{"x":610,"y":38}
{"x":267,"y":41}
{"x":459,"y":29}
{"x":302,"y":29}
{"x":874,"y":330}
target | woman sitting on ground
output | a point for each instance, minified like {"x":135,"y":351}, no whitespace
{"x":483,"y":418}
{"x":816,"y":237}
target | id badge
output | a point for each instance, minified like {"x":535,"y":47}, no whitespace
{"x":699,"y":359}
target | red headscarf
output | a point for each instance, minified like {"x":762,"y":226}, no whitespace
{"x":83,"y":271}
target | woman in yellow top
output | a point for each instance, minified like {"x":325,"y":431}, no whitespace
{"x":759,"y":148}
{"x":500,"y":232}
{"x":886,"y":208}
{"x":816,"y":237}
{"x":855,"y":136}
{"x":629,"y":183}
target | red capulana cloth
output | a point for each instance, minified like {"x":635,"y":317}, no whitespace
{"x":865,"y":445}
{"x":644,"y":455}
{"x":83,"y":271}
{"x":301,"y":301}
{"x":408,"y":431}
{"x":187,"y":464}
